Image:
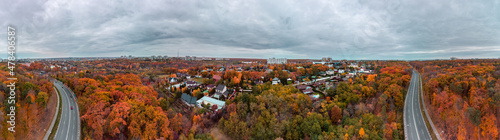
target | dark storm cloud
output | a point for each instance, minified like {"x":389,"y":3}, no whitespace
{"x":341,"y":29}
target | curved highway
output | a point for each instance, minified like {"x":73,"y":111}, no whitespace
{"x":69,"y":125}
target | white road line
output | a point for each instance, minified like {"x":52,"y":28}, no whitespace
{"x":69,"y":119}
{"x":413,"y":111}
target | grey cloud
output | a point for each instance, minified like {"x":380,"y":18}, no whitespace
{"x":343,"y":29}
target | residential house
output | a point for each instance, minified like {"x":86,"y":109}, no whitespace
{"x":330,"y":72}
{"x":341,"y":70}
{"x":276,"y":81}
{"x":319,"y":83}
{"x":210,"y":86}
{"x":216,"y":77}
{"x":353,"y":65}
{"x":191,"y":84}
{"x":220,"y":91}
{"x":182,"y":75}
{"x":352,"y":73}
{"x":211,"y":101}
{"x":259,"y":82}
{"x":305,"y":89}
{"x":297,"y":82}
{"x":188,"y":99}
{"x":172,"y":80}
{"x":175,"y":86}
{"x":322,"y":73}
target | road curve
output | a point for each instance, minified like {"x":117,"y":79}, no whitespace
{"x":69,"y":125}
{"x":415,"y":128}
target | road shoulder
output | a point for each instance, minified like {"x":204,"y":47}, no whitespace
{"x":55,"y":126}
{"x":54,"y":118}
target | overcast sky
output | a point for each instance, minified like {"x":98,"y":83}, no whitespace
{"x":341,"y":29}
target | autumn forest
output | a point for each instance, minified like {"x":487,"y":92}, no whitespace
{"x":166,"y":99}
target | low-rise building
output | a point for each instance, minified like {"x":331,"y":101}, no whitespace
{"x":276,"y":81}
{"x":305,"y":89}
{"x":172,"y":80}
{"x":330,"y":72}
{"x":341,"y":71}
{"x":276,"y":61}
{"x":220,"y":91}
{"x":210,"y":86}
{"x":211,"y":102}
{"x":191,"y":84}
{"x":216,"y":77}
{"x":188,"y":99}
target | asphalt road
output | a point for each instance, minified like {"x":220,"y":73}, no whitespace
{"x":68,"y":128}
{"x":414,"y":121}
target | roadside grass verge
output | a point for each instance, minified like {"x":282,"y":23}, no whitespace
{"x":427,"y":123}
{"x":56,"y":124}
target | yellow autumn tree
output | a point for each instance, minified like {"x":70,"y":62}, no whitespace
{"x":371,"y":78}
{"x":346,"y":136}
{"x":361,"y":133}
{"x":196,"y":92}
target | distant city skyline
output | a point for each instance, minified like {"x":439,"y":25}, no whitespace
{"x":343,"y":29}
{"x":267,"y":59}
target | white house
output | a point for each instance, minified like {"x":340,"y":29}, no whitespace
{"x":172,"y":80}
{"x":330,"y":72}
{"x":175,"y":86}
{"x":341,"y":70}
{"x":211,"y":101}
{"x":276,"y":81}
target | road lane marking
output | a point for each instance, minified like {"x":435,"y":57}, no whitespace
{"x":69,"y":118}
{"x":413,"y":110}
{"x":422,"y":121}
